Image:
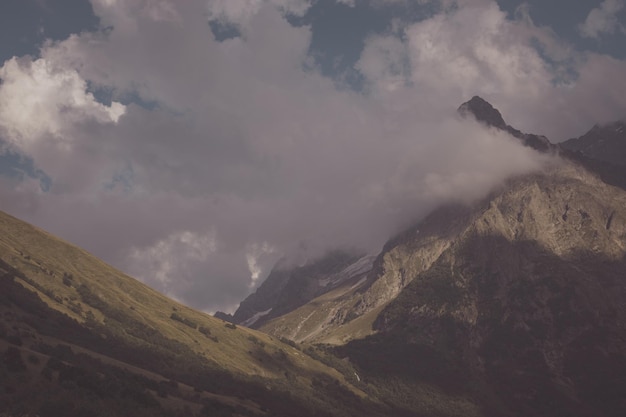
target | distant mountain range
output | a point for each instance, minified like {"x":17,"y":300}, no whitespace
{"x":512,"y":306}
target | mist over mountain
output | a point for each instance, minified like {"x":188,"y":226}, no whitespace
{"x":194,"y":158}
{"x":516,"y":300}
{"x":484,"y":112}
{"x":510,"y":303}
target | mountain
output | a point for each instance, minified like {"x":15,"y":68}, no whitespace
{"x":601,"y":150}
{"x":79,"y":338}
{"x":485,"y":113}
{"x":605,"y":143}
{"x":524,"y":310}
{"x":513,"y":306}
{"x":346,"y":311}
{"x":287,"y":288}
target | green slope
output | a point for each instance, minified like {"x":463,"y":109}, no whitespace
{"x":55,"y":294}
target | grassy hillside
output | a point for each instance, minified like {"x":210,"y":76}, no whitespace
{"x":59,"y":303}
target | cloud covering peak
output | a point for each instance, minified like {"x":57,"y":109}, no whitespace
{"x":211,"y":159}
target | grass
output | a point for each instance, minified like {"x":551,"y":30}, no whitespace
{"x":82,"y":288}
{"x":311,"y":322}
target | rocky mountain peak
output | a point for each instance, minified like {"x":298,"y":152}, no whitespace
{"x":519,"y":295}
{"x":526,"y":295}
{"x":483,"y":111}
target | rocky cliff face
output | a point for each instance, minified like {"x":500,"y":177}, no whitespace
{"x":517,"y":302}
{"x":287,"y":288}
{"x":348,"y":311}
{"x":527,"y":301}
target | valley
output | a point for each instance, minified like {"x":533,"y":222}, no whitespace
{"x":513,"y":305}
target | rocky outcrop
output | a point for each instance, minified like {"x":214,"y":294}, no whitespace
{"x":525,"y":306}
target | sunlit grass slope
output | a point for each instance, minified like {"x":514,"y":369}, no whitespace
{"x":134,"y":318}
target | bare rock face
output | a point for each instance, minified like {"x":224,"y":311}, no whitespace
{"x":349,"y":309}
{"x":526,"y":302}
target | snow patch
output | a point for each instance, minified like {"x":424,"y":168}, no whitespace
{"x":360,"y":267}
{"x":361,"y":281}
{"x":255,"y":318}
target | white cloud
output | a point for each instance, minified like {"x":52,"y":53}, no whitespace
{"x":603,"y":19}
{"x":240,"y":12}
{"x":253,"y":257}
{"x":475,"y":49}
{"x":385,"y":63}
{"x":47,"y":114}
{"x":168,"y":264}
{"x":350,"y":3}
{"x":250,"y":153}
{"x":41,"y":101}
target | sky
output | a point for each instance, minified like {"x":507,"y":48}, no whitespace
{"x":193,"y":143}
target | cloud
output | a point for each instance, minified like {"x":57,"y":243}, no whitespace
{"x":539,"y":82}
{"x":45,"y":113}
{"x":240,"y":12}
{"x":168,"y":260}
{"x":603,"y":19}
{"x":247,"y":153}
{"x":39,"y":99}
{"x":350,"y":3}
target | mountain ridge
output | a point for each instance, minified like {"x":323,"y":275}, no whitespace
{"x":500,"y":301}
{"x":485,"y":113}
{"x":606,"y":143}
{"x":504,"y":300}
{"x":513,"y":305}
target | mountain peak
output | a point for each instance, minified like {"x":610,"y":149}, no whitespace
{"x":606,"y":143}
{"x":483,"y":111}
